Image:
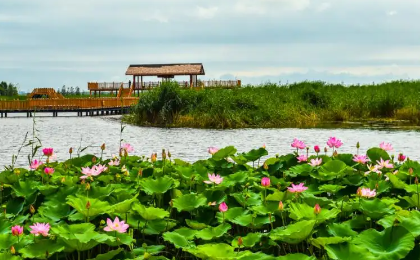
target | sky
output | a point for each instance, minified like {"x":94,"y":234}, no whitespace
{"x":51,"y":43}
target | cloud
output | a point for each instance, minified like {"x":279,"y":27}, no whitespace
{"x":323,"y":6}
{"x":391,"y":13}
{"x":206,"y":13}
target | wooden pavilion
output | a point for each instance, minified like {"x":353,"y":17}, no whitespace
{"x":165,"y":71}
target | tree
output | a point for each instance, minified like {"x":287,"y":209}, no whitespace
{"x":71,"y":90}
{"x":77,"y":91}
{"x":63,"y":90}
{"x":8,"y":89}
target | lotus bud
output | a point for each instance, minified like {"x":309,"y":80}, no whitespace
{"x":71,"y":150}
{"x":88,"y":205}
{"x":169,"y":154}
{"x":32,"y":209}
{"x":317,"y":149}
{"x":317,"y":209}
{"x":240,"y":241}
{"x":335,"y":154}
{"x":307,"y":148}
{"x":103,"y":147}
{"x":410,"y":171}
{"x":63,"y":179}
{"x":140,"y":174}
{"x":87,"y":186}
{"x":102,"y":222}
{"x":94,"y":159}
{"x":163,"y":154}
{"x":125,"y":153}
{"x":17,"y":172}
{"x":358,"y":145}
{"x":359,"y":192}
{"x":153,"y":157}
{"x":325,"y":150}
{"x":401,"y":157}
{"x":12,"y":250}
{"x":82,"y":181}
{"x":416,"y":180}
{"x":281,"y":206}
{"x":147,"y":255}
{"x":265,"y":166}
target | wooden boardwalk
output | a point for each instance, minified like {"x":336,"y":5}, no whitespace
{"x":88,"y":106}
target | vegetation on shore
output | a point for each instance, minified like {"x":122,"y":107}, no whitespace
{"x":304,"y":205}
{"x":8,"y":90}
{"x":271,"y":105}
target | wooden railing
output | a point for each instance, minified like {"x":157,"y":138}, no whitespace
{"x":73,"y":103}
{"x":106,"y":85}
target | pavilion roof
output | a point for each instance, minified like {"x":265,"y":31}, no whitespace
{"x":165,"y":69}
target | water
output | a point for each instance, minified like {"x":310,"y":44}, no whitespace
{"x":61,"y":133}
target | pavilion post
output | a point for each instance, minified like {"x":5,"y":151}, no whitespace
{"x":191,"y":81}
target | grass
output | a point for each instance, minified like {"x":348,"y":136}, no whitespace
{"x":271,"y":105}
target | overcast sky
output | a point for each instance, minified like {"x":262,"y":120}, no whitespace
{"x":50,"y":43}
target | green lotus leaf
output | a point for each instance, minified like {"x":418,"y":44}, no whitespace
{"x":9,"y":256}
{"x":7,"y":240}
{"x":188,"y":233}
{"x":249,"y":240}
{"x":217,"y":196}
{"x":396,"y":182}
{"x":212,"y":232}
{"x":158,"y":226}
{"x":375,"y":154}
{"x":124,"y":206}
{"x":224,"y":153}
{"x":414,"y":254}
{"x":391,"y":244}
{"x":118,"y":239}
{"x":375,"y":208}
{"x":411,"y":222}
{"x":348,"y":251}
{"x":149,"y":249}
{"x":238,"y":177}
{"x":5,"y":227}
{"x":330,"y":170}
{"x":414,"y":200}
{"x":320,"y":242}
{"x":195,"y":225}
{"x":301,"y":169}
{"x":108,"y":256}
{"x":387,"y":221}
{"x":54,"y":210}
{"x":341,"y":230}
{"x":80,"y":237}
{"x":47,"y":189}
{"x":276,"y":196}
{"x":347,"y":158}
{"x":177,"y":240}
{"x":243,"y":220}
{"x":41,"y":247}
{"x":99,"y":192}
{"x":150,"y":213}
{"x":304,"y":211}
{"x":189,"y":202}
{"x":15,"y":206}
{"x":97,"y":207}
{"x":331,"y":188}
{"x":217,"y":252}
{"x":157,"y":186}
{"x":261,"y":256}
{"x":255,"y":154}
{"x":247,"y":199}
{"x":294,"y":233}
{"x":25,"y":188}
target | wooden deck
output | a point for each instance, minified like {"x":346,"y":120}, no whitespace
{"x":108,"y":105}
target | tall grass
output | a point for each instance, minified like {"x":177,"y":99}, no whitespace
{"x":272,"y":105}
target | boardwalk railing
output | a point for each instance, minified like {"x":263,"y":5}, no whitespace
{"x":108,"y":86}
{"x":67,"y":104}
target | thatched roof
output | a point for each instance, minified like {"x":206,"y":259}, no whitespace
{"x":165,"y":69}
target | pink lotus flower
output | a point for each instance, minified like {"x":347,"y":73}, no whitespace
{"x":95,"y":171}
{"x":317,"y":149}
{"x":315,"y":162}
{"x":223,"y":207}
{"x":213,"y":178}
{"x":265,"y":182}
{"x":302,"y":158}
{"x":374,"y":168}
{"x":49,"y":171}
{"x":297,"y":188}
{"x":127,"y":148}
{"x":117,"y":225}
{"x":367,"y":193}
{"x":114,"y":162}
{"x":384,"y":164}
{"x":317,"y":209}
{"x":40,"y":229}
{"x":362,"y":159}
{"x":212,"y":150}
{"x":386,"y":146}
{"x":35,"y":164}
{"x":17,"y":230}
{"x":48,"y":151}
{"x":263,"y":146}
{"x":298,"y":144}
{"x":334,"y":142}
{"x":401,"y":157}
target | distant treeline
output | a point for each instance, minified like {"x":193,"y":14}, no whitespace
{"x":8,"y":89}
{"x":69,"y":91}
{"x":272,"y":105}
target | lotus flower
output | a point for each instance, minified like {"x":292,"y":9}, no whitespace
{"x":127,"y":148}
{"x":153,"y":157}
{"x":281,"y":206}
{"x":223,"y":207}
{"x":333,"y":142}
{"x":213,"y":178}
{"x":114,"y":162}
{"x":317,"y":149}
{"x":212,"y":203}
{"x":35,"y":164}
{"x":315,"y":162}
{"x":317,"y":209}
{"x":362,"y":159}
{"x":48,"y":151}
{"x":366,"y":192}
{"x":265,"y":182}
{"x":401,"y":157}
{"x":384,"y":164}
{"x":117,"y":225}
{"x":263,"y":146}
{"x":386,"y":146}
{"x":95,"y":171}
{"x":212,"y":150}
{"x":297,"y":188}
{"x":49,"y":171}
{"x":302,"y":158}
{"x":374,"y":168}
{"x":17,"y":230}
{"x":298,"y":144}
{"x":40,"y":229}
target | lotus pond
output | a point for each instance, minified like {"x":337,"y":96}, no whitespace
{"x":307,"y":205}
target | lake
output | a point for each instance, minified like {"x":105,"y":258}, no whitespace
{"x":64,"y":132}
